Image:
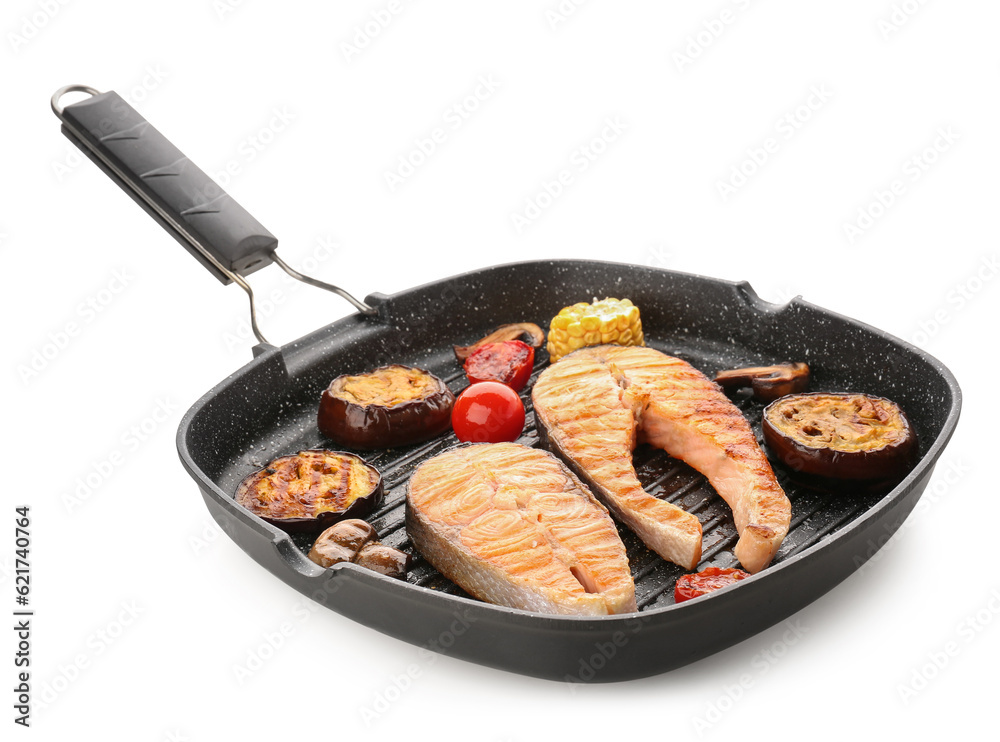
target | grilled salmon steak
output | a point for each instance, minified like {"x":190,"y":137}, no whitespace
{"x":512,"y":525}
{"x":595,"y":404}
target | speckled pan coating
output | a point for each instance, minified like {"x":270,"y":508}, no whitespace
{"x":268,"y":408}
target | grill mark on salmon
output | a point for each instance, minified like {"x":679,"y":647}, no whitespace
{"x":594,"y":405}
{"x":512,"y":525}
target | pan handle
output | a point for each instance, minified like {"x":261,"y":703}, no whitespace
{"x":192,"y":207}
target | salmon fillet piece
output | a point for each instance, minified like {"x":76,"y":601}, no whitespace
{"x":512,"y":525}
{"x":595,"y":404}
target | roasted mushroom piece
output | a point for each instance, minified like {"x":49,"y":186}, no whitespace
{"x":311,"y":490}
{"x":391,"y":406}
{"x":768,"y":382}
{"x":855,"y":437}
{"x":356,"y":541}
{"x":383,"y":559}
{"x":341,"y":542}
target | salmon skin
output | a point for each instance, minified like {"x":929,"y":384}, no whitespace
{"x":512,"y":525}
{"x":595,"y":404}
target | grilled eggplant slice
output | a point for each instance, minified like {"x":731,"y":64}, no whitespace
{"x":391,"y":406}
{"x":312,"y":490}
{"x":855,"y":437}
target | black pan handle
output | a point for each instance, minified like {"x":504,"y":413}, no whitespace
{"x":179,"y":195}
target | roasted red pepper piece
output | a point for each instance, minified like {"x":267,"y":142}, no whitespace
{"x":709,"y":579}
{"x":509,"y":362}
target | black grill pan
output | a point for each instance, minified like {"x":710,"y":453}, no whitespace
{"x":268,"y":408}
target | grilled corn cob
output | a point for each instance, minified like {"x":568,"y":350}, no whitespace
{"x":606,"y":322}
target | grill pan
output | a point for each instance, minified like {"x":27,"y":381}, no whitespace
{"x":268,"y":409}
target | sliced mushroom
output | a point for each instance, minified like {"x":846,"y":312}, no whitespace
{"x":383,"y":559}
{"x":529,"y":331}
{"x":341,"y":542}
{"x":768,"y":382}
{"x":356,"y":541}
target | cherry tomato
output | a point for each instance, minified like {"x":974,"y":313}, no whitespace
{"x":709,"y":579}
{"x":509,"y":362}
{"x":488,"y":412}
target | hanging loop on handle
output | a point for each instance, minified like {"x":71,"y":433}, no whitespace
{"x":57,"y":96}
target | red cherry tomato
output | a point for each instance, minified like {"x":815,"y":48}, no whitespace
{"x":709,"y":579}
{"x":488,"y":412}
{"x":509,"y":362}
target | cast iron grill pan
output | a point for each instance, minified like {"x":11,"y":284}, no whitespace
{"x":268,"y":409}
{"x":713,"y":324}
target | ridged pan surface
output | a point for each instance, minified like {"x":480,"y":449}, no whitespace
{"x":268,"y":409}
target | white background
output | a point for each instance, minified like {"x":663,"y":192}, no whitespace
{"x":132,"y":584}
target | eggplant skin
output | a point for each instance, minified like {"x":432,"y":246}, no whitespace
{"x":406,"y":405}
{"x":312,"y":490}
{"x":885,"y":458}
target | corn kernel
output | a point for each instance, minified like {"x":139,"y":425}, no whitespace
{"x":625,"y":338}
{"x":575,"y":330}
{"x":592,"y":338}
